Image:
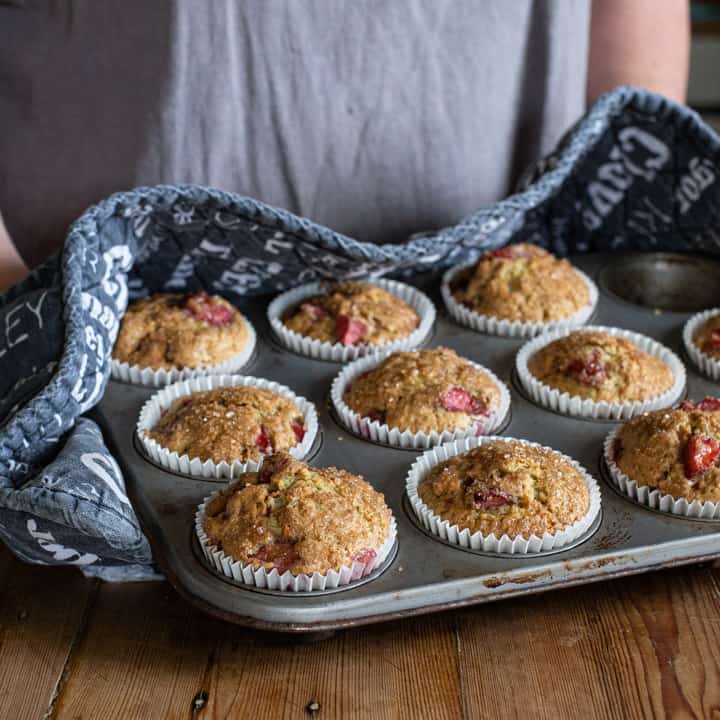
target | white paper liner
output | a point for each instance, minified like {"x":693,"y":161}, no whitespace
{"x":161,"y":401}
{"x":337,"y":352}
{"x":654,"y":498}
{"x":138,"y":375}
{"x":287,"y":582}
{"x":512,"y":328}
{"x":397,"y":437}
{"x":490,"y":543}
{"x":574,"y":405}
{"x":705,"y":363}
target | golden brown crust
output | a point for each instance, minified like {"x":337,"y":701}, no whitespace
{"x":522,"y":282}
{"x":230,"y":423}
{"x":417,"y":390}
{"x":168,"y":330}
{"x":507,"y":487}
{"x":353,"y":313}
{"x":292,"y":516}
{"x":596,"y":365}
{"x":652,"y":450}
{"x":707,"y":337}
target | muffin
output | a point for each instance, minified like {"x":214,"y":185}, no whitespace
{"x":425,"y":390}
{"x":522,"y":283}
{"x":707,"y":337}
{"x":233,"y":423}
{"x":353,"y":313}
{"x":508,"y":488}
{"x":290,"y":516}
{"x":596,"y":365}
{"x":675,"y":451}
{"x":165,"y":331}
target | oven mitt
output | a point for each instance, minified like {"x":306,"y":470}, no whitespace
{"x":637,"y":172}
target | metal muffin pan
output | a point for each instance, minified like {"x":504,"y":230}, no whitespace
{"x":424,"y":574}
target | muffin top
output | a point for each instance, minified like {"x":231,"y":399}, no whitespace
{"x":522,"y":282}
{"x":230,"y":423}
{"x":294,"y":517}
{"x":707,"y":337}
{"x":675,"y":451}
{"x":353,"y":313}
{"x":507,"y":488}
{"x":599,"y":366}
{"x":170,"y":330}
{"x":425,"y":390}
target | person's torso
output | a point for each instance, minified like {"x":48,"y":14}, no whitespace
{"x":378,"y":119}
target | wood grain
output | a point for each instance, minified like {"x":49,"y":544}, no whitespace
{"x":145,"y":653}
{"x":637,"y":648}
{"x":41,"y":610}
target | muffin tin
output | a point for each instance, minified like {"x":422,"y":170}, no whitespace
{"x":423,"y":574}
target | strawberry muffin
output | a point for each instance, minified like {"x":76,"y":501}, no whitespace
{"x":353,"y":313}
{"x":235,"y":423}
{"x":507,"y":488}
{"x":601,"y":367}
{"x":166,"y":331}
{"x":289,"y":516}
{"x":707,"y":337}
{"x":674,"y":451}
{"x":425,"y":390}
{"x":522,"y":283}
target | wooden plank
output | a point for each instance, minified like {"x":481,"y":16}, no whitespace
{"x":642,"y":647}
{"x":41,"y":609}
{"x":145,"y":653}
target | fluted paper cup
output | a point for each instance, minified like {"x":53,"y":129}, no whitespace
{"x":576,"y":406}
{"x":139,"y":375}
{"x":504,"y":544}
{"x":337,"y":352}
{"x":653,"y":497}
{"x":400,"y":437}
{"x":286,"y":582}
{"x":512,"y":328}
{"x":707,"y":364}
{"x":160,"y":402}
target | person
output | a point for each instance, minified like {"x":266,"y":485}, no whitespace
{"x":378,"y":119}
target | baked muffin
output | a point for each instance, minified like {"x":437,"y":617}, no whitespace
{"x":602,"y":367}
{"x":707,"y":337}
{"x":183,"y":331}
{"x":424,"y":390}
{"x":523,"y":283}
{"x":241,"y":422}
{"x":353,"y":313}
{"x":289,"y":516}
{"x":507,"y":488}
{"x":675,"y":451}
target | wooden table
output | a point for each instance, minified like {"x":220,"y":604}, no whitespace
{"x":642,"y":647}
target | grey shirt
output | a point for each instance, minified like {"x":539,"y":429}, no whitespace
{"x":379,"y":118}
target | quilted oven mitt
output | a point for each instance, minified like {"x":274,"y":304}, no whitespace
{"x":637,"y":172}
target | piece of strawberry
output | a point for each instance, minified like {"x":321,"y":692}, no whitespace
{"x":349,"y":330}
{"x":488,"y":499}
{"x":588,"y":370}
{"x":701,"y":452}
{"x":281,"y":554}
{"x":272,"y":465}
{"x":365,"y":556}
{"x":207,"y":309}
{"x":299,"y":430}
{"x":458,"y":399}
{"x":713,"y":342}
{"x":262,"y":442}
{"x":709,"y":404}
{"x":315,"y":310}
{"x":376,"y":415}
